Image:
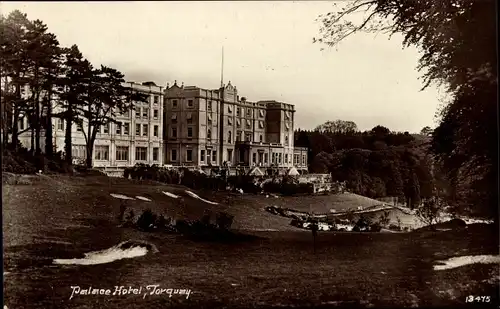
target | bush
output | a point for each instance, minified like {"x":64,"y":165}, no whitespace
{"x":224,"y":221}
{"x":430,"y":210}
{"x":146,"y":221}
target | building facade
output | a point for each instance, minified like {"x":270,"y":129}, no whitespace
{"x":205,"y":128}
{"x":137,"y":137}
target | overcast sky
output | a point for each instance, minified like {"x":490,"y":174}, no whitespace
{"x":268,"y":51}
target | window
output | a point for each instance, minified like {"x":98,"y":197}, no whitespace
{"x":155,"y":131}
{"x":155,"y":114}
{"x":237,"y":111}
{"x":118,"y":128}
{"x":229,"y":109}
{"x":105,"y":128}
{"x":261,"y":113}
{"x":60,"y":124}
{"x":238,"y":123}
{"x":141,"y":153}
{"x":126,"y":128}
{"x":229,"y":137}
{"x":174,"y":118}
{"x":260,"y":138}
{"x":249,"y":124}
{"x":190,"y":103}
{"x":189,"y":155}
{"x":261,"y":124}
{"x":138,"y":112}
{"x":279,"y":158}
{"x":20,"y":124}
{"x":189,"y":118}
{"x":145,"y":130}
{"x":79,"y":151}
{"x":145,"y":112}
{"x":303,"y":159}
{"x":209,"y":134}
{"x":265,"y":158}
{"x":202,"y":155}
{"x":286,"y":140}
{"x":238,"y":136}
{"x":79,"y":128}
{"x":125,"y":113}
{"x":174,"y":132}
{"x":156,"y":99}
{"x":173,"y":154}
{"x":209,"y":117}
{"x":248,"y":137}
{"x":254,"y":157}
{"x":286,"y":158}
{"x":155,"y":154}
{"x":249,"y":113}
{"x":230,"y":121}
{"x":121,"y":153}
{"x":101,"y":152}
{"x":214,"y":155}
{"x":190,"y":132}
{"x":209,"y":105}
{"x":137,"y":129}
{"x":174,"y":103}
{"x":230,"y":155}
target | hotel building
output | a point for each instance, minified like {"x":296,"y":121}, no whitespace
{"x":205,"y":128}
{"x":136,"y":138}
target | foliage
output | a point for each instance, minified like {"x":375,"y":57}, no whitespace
{"x":457,"y":40}
{"x":430,"y":210}
{"x":146,"y":221}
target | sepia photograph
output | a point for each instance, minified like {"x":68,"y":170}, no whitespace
{"x":250,"y":154}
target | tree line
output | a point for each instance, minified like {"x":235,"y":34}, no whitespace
{"x":375,"y":163}
{"x":42,"y":81}
{"x":457,"y":40}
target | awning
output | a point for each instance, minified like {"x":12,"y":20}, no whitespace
{"x":256,"y":172}
{"x":293,"y":172}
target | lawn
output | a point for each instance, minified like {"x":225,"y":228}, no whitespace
{"x":64,"y":217}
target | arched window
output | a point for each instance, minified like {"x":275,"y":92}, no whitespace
{"x":229,"y":137}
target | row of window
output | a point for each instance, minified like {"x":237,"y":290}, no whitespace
{"x":175,"y":103}
{"x":101,"y":152}
{"x":144,"y":113}
{"x":122,"y":128}
{"x":262,"y":157}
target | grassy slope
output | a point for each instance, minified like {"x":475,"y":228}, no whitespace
{"x":79,"y":214}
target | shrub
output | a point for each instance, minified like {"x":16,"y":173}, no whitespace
{"x":147,"y":220}
{"x":430,"y":210}
{"x":224,"y":221}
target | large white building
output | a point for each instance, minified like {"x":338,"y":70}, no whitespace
{"x":137,"y":138}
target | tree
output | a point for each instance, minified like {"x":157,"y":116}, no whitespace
{"x":104,"y":98}
{"x":427,"y":131}
{"x":71,"y":92}
{"x":14,"y":66}
{"x":457,"y":40}
{"x":338,"y":127}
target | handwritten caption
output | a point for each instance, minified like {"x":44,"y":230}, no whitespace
{"x":145,"y":291}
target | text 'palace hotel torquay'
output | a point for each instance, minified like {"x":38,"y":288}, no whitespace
{"x":193,"y":127}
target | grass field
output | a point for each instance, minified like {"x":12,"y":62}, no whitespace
{"x":64,"y":217}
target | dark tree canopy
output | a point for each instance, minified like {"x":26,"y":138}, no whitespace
{"x":457,"y":40}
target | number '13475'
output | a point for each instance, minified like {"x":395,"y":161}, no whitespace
{"x":477,"y":299}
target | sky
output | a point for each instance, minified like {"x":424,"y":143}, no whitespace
{"x":268,"y":55}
